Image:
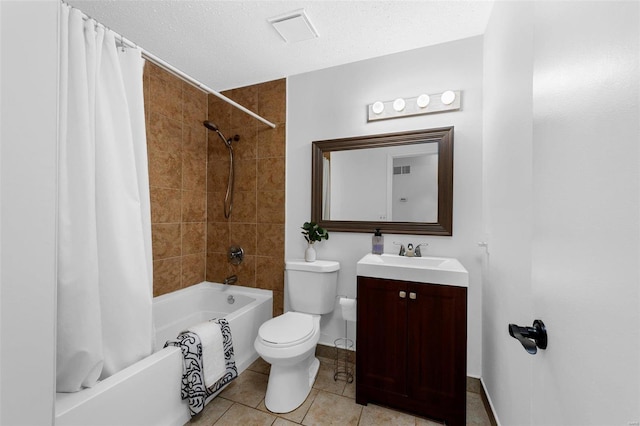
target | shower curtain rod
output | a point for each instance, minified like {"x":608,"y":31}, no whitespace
{"x":151,"y":57}
{"x":168,"y":67}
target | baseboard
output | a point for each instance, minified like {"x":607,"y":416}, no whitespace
{"x":325,"y":351}
{"x":488,"y":405}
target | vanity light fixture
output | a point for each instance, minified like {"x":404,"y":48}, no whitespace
{"x":422,"y":104}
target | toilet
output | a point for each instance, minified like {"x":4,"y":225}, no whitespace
{"x":288,"y":341}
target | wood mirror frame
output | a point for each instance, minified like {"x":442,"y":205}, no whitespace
{"x":442,"y":136}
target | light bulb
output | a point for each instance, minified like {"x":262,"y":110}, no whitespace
{"x":377,"y":107}
{"x":398,"y":104}
{"x":448,"y":97}
{"x":423,"y":101}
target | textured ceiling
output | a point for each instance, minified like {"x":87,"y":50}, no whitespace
{"x":228,"y":44}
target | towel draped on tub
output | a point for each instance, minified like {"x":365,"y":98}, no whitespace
{"x":193,"y":383}
{"x":213,"y":361}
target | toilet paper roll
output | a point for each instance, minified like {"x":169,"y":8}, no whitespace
{"x":348,"y":307}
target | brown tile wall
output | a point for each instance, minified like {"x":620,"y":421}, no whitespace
{"x":177,"y":149}
{"x":188,"y":170}
{"x":257,"y":221}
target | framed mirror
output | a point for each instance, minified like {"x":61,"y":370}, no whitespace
{"x":401,"y":183}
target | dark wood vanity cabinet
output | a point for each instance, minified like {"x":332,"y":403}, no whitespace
{"x":411,"y":350}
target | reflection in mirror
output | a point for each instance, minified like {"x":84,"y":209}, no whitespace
{"x":399,"y":182}
{"x":413,"y":194}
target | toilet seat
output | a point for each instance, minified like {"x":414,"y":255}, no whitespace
{"x":288,"y":329}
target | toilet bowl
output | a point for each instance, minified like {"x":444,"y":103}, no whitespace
{"x":288,"y":341}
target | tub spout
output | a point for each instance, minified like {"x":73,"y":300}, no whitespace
{"x":231,"y":279}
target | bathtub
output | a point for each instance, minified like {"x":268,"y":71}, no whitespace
{"x":148,"y":392}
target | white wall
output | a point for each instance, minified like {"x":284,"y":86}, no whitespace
{"x":562,"y":186}
{"x":332,"y":103}
{"x":507,"y":169}
{"x":28,"y":157}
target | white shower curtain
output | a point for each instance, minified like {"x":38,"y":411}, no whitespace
{"x":104,"y":295}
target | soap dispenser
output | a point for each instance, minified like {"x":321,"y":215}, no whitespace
{"x":377,"y":242}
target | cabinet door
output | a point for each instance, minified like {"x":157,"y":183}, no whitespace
{"x":437,"y":355}
{"x":381,"y":354}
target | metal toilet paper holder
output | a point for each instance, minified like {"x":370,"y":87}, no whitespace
{"x":343,"y":361}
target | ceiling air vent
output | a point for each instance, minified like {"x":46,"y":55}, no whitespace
{"x":294,"y":26}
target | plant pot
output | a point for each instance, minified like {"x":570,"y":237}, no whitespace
{"x":310,"y":253}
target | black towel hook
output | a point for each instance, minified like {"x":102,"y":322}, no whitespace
{"x":531,"y":338}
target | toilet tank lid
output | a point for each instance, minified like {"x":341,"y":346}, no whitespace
{"x":317,"y":266}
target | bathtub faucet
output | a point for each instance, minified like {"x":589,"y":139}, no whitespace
{"x":231,"y":279}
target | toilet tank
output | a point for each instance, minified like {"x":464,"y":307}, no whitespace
{"x":312,"y":286}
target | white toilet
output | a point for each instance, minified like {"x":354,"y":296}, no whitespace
{"x":288,"y":341}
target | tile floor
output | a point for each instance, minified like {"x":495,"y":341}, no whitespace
{"x":329,"y":403}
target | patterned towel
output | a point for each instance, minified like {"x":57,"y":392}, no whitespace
{"x":193,"y":387}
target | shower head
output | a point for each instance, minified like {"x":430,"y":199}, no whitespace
{"x":210,"y":125}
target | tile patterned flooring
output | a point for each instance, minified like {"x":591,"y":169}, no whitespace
{"x":329,"y":403}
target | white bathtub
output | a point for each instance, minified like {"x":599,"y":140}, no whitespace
{"x":148,"y":392}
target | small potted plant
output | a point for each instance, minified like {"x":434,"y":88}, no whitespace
{"x":312,"y":233}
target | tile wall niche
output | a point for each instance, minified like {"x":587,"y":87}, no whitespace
{"x":177,"y":150}
{"x":257,"y":220}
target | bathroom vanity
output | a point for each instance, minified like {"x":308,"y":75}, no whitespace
{"x":412,"y":336}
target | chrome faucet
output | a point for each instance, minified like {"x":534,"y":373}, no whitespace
{"x":231,"y":279}
{"x":417,"y":252}
{"x":410,"y":251}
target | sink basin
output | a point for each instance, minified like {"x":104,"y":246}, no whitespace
{"x":433,"y":270}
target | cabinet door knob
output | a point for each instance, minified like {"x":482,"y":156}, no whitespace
{"x":412,"y":296}
{"x":403,"y":294}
